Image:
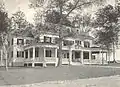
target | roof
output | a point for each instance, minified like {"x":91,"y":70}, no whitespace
{"x":42,"y":44}
{"x":81,"y":37}
{"x":23,"y":33}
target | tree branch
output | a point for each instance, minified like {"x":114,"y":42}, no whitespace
{"x":75,"y":6}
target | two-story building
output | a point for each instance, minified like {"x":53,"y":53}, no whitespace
{"x":25,"y":50}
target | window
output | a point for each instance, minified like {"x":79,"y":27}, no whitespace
{"x":68,"y":43}
{"x":31,"y":53}
{"x":47,"y":39}
{"x":36,"y":52}
{"x":78,"y":42}
{"x":65,"y":42}
{"x":20,"y":54}
{"x":12,"y":41}
{"x":12,"y":54}
{"x":20,"y":41}
{"x":86,"y":55}
{"x":66,"y":55}
{"x":48,"y":53}
{"x":86,"y":44}
{"x":27,"y":42}
{"x":77,"y":54}
{"x":23,"y":54}
{"x":26,"y":54}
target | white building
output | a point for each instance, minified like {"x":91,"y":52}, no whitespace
{"x":26,"y":51}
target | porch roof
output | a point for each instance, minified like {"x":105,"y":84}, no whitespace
{"x":96,"y":49}
{"x":41,"y":44}
{"x":91,"y":49}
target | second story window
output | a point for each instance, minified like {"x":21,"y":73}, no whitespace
{"x":27,"y":41}
{"x":20,"y":41}
{"x":78,"y":42}
{"x":47,"y":39}
{"x":68,"y":43}
{"x":86,"y":44}
{"x":65,"y":42}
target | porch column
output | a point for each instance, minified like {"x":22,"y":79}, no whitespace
{"x":28,"y":54}
{"x":73,"y":55}
{"x":99,"y":56}
{"x":90,"y":54}
{"x":82,"y":61}
{"x":56,"y":57}
{"x":70,"y":56}
{"x":106,"y":56}
{"x":24,"y":54}
{"x":33,"y":64}
{"x":44,"y":57}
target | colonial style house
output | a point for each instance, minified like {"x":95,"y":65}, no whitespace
{"x":26,"y":50}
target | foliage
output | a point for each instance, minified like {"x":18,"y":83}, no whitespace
{"x":4,"y":21}
{"x":54,"y":17}
{"x":19,"y":20}
{"x":107,"y":20}
{"x":83,"y":22}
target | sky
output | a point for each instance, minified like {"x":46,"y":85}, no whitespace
{"x":13,"y":5}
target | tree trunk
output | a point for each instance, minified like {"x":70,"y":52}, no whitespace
{"x":60,"y":54}
{"x":60,"y":34}
{"x":60,"y":45}
{"x":5,"y":49}
{"x":69,"y":56}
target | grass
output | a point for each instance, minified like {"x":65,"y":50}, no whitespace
{"x":22,"y":75}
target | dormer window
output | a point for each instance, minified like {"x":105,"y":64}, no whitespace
{"x":47,"y":39}
{"x":86,"y":44}
{"x":20,"y":41}
{"x":78,"y":42}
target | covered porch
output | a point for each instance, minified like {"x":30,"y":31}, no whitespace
{"x":77,"y":57}
{"x":40,"y":55}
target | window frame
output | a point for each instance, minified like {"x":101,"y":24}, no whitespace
{"x":48,"y":53}
{"x":20,"y":43}
{"x":47,"y":39}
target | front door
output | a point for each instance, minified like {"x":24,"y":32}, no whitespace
{"x":77,"y":56}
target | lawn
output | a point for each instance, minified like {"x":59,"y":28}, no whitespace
{"x":17,"y":76}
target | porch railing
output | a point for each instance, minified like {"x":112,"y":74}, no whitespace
{"x":50,"y":59}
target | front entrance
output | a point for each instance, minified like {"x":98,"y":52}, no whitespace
{"x":76,"y":56}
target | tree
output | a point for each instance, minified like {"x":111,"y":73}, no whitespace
{"x":4,"y":29}
{"x":107,"y":21}
{"x":83,"y":22}
{"x":19,"y":20}
{"x":64,"y":8}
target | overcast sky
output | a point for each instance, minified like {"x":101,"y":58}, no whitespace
{"x":13,"y":5}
